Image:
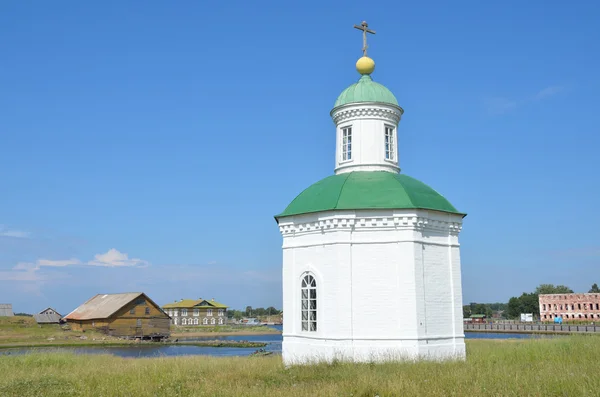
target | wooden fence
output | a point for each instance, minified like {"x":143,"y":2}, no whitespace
{"x":527,"y":328}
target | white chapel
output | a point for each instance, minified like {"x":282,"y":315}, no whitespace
{"x":371,"y":259}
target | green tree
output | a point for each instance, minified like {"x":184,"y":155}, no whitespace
{"x":236,"y":314}
{"x":272,"y":311}
{"x":481,"y":308}
{"x":514,"y":307}
{"x":594,"y":289}
{"x":526,"y":303}
{"x":498,"y":306}
{"x":530,"y":303}
{"x":248,"y":311}
{"x":552,"y":289}
{"x":466,"y":311}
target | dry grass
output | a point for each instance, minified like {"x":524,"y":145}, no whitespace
{"x":564,"y":366}
{"x":178,"y":331}
{"x":24,"y":331}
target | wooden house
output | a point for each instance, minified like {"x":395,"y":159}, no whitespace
{"x":132,"y":315}
{"x":197,"y":312}
{"x":48,"y":316}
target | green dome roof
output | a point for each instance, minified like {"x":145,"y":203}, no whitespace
{"x":367,"y":190}
{"x":366,"y":90}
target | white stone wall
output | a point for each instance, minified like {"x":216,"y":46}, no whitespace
{"x":388,"y":285}
{"x":368,"y":123}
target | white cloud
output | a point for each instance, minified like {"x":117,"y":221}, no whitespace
{"x":60,"y":263}
{"x":37,"y":265}
{"x":29,"y":271}
{"x":114,"y":258}
{"x":21,"y":274}
{"x":549,"y":91}
{"x":5,"y":232}
{"x":500,"y":105}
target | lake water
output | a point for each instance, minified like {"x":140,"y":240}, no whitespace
{"x":273,"y":344}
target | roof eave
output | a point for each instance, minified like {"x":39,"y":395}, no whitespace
{"x":339,"y":107}
{"x":277,"y":217}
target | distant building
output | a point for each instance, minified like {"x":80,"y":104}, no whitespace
{"x":250,"y":321}
{"x":48,"y":316}
{"x":477,"y":318}
{"x":130,"y":315}
{"x":569,"y":307}
{"x":196,"y":312}
{"x":6,"y":310}
{"x":526,"y":317}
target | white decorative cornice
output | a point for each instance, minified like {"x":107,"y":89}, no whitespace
{"x":362,"y":112}
{"x":351,"y":223}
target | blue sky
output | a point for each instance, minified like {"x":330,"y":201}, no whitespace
{"x":147,"y":146}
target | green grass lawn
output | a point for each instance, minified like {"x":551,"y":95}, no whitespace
{"x":561,"y":366}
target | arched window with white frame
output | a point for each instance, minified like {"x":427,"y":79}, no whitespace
{"x":308,"y":299}
{"x":205,"y":321}
{"x":213,"y":321}
{"x":221,"y":321}
{"x":390,"y":143}
{"x":183,"y":321}
{"x":195,"y":321}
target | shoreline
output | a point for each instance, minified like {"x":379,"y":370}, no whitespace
{"x":226,"y":333}
{"x":7,"y":343}
{"x":207,"y":343}
{"x":514,"y":331}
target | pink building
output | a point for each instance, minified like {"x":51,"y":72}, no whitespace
{"x":570,"y":307}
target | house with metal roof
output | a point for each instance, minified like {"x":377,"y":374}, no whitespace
{"x":478,"y":318}
{"x":132,"y":315}
{"x":48,"y":316}
{"x":196,"y":312}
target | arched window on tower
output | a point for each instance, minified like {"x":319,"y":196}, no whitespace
{"x":309,"y":303}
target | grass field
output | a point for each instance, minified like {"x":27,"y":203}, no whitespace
{"x":562,"y":366}
{"x":24,"y":331}
{"x":21,"y":330}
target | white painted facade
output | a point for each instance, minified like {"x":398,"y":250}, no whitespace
{"x":367,"y":123}
{"x":388,"y":285}
{"x":388,"y":281}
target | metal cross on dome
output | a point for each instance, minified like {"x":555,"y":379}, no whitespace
{"x":364,"y":27}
